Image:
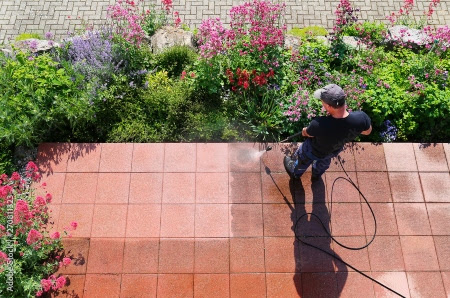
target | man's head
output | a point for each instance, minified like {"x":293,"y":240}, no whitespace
{"x":332,"y":95}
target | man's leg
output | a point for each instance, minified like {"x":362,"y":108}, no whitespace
{"x":303,"y":161}
{"x":320,"y":166}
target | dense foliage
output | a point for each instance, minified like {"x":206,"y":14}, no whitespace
{"x":240,"y":84}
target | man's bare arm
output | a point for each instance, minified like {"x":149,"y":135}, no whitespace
{"x":367,"y":132}
{"x":305,"y":134}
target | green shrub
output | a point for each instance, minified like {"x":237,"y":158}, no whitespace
{"x":368,"y":31}
{"x":175,"y":59}
{"x":40,"y":101}
{"x":308,"y":31}
{"x":24,"y":36}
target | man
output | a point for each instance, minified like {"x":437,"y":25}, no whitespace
{"x":327,"y":135}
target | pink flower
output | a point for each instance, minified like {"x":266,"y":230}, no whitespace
{"x":39,"y":201}
{"x":15,"y":176}
{"x":3,"y":257}
{"x":33,"y":236}
{"x":48,"y":198}
{"x":55,"y":235}
{"x":46,"y":284}
{"x":39,"y":293}
{"x":66,"y":261}
{"x":60,"y":282}
{"x":74,"y":225}
{"x":183,"y":75}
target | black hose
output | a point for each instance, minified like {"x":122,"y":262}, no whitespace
{"x":329,"y":234}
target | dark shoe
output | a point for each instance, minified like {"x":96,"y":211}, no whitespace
{"x":289,"y":165}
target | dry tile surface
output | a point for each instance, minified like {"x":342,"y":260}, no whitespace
{"x":225,"y":220}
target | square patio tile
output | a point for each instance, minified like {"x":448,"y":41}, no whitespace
{"x":175,"y":285}
{"x":246,"y":220}
{"x":74,"y":285}
{"x":419,"y":253}
{"x":353,"y":284}
{"x":145,"y":188}
{"x":180,"y":157}
{"x":138,"y":285}
{"x":113,"y":188}
{"x":406,"y":187}
{"x":436,"y":187}
{"x":443,"y":251}
{"x":147,"y":158}
{"x":439,"y":216}
{"x":343,"y":191}
{"x":102,"y":285}
{"x":54,"y":210}
{"x":276,"y":187}
{"x":211,"y":188}
{"x":245,"y":187}
{"x":177,"y":220}
{"x":375,"y":186}
{"x":209,"y":249}
{"x":281,"y":285}
{"x":273,"y":160}
{"x":400,"y":157}
{"x":80,"y":188}
{"x":394,"y":280}
{"x":80,"y":213}
{"x":212,"y":285}
{"x":313,"y":284}
{"x":312,"y":259}
{"x":280,"y":255}
{"x":105,"y":255}
{"x":347,"y":159}
{"x":244,"y":157}
{"x":425,"y":284}
{"x":84,"y":157}
{"x":179,"y":188}
{"x":141,"y":255}
{"x":247,"y":285}
{"x":370,"y":157}
{"x":212,"y":157}
{"x":278,"y":220}
{"x":412,"y":219}
{"x":385,"y":254}
{"x":346,"y":220}
{"x":385,"y":218}
{"x":143,"y":220}
{"x":77,"y":250}
{"x":53,"y":157}
{"x":54,"y":185}
{"x":211,"y":220}
{"x":176,"y":255}
{"x":247,"y":255}
{"x":116,"y":157}
{"x":430,"y":157}
{"x":109,"y":220}
{"x":357,"y":258}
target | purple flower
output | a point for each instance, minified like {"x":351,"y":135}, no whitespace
{"x":48,"y":35}
{"x":389,"y":134}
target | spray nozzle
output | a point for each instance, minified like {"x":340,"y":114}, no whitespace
{"x":269,"y":148}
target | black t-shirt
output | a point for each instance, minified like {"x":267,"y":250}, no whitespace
{"x":330,"y":134}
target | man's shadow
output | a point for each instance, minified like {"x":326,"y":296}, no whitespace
{"x":318,"y":274}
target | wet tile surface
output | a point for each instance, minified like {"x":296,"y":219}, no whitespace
{"x":219,"y":220}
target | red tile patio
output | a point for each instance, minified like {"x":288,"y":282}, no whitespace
{"x":215,"y":220}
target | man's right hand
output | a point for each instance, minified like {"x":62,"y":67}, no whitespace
{"x":305,"y":134}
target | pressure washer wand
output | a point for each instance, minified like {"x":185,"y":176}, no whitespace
{"x":287,"y":139}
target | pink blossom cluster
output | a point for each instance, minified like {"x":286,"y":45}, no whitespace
{"x":254,"y":25}
{"x":439,"y":37}
{"x":127,"y":20}
{"x":52,"y":283}
{"x":259,"y":21}
{"x":30,"y":218}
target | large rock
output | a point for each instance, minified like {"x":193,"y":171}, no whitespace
{"x":35,"y":45}
{"x":293,"y":42}
{"x":353,"y":42}
{"x":407,"y":35}
{"x":169,"y":36}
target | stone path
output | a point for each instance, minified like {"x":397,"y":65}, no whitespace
{"x":214,"y":220}
{"x":61,"y":16}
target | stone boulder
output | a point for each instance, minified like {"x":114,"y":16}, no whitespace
{"x":293,"y":42}
{"x":35,"y":45}
{"x":407,"y":35}
{"x":169,"y":36}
